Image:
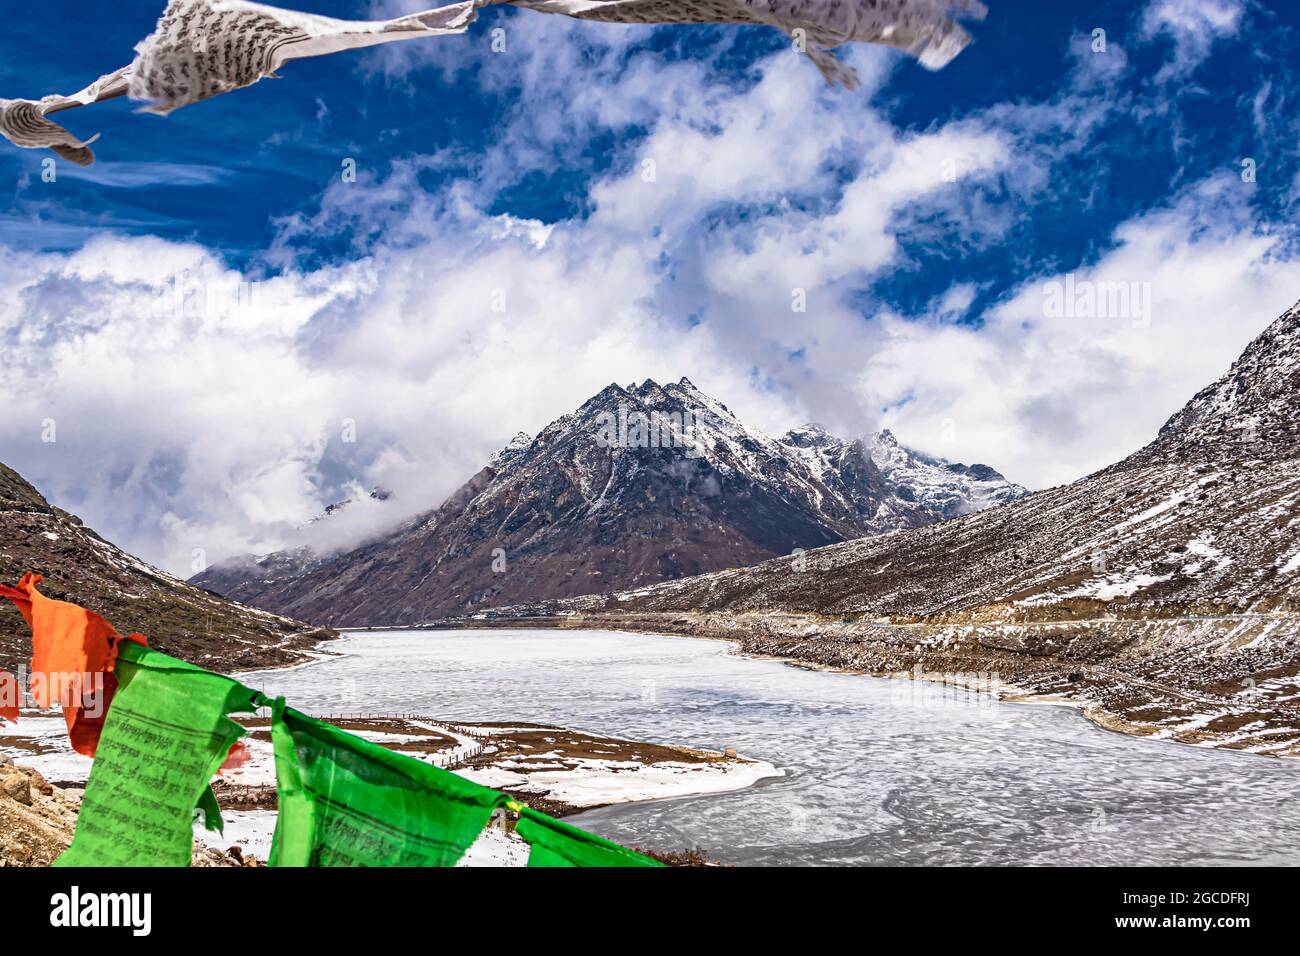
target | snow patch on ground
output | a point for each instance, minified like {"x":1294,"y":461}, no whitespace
{"x":1107,"y":588}
{"x":41,"y":743}
{"x":496,"y":848}
{"x":596,"y":783}
{"x":250,"y":830}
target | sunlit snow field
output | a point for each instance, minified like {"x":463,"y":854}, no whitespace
{"x":878,"y":771}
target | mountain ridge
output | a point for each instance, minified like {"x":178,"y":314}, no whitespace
{"x":640,"y":483}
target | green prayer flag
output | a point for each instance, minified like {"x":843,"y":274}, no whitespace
{"x":345,"y":801}
{"x":558,"y":844}
{"x":164,"y":737}
{"x":210,"y":811}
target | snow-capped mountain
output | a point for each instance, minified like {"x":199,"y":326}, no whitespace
{"x":1207,"y":516}
{"x":641,"y":484}
{"x":914,"y":489}
{"x":80,"y":566}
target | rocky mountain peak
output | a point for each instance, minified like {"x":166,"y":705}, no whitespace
{"x":519,"y":443}
{"x":17,"y":495}
{"x":375,"y":494}
{"x":641,"y":484}
{"x":1249,"y":413}
{"x":607,"y":396}
{"x":810,"y":435}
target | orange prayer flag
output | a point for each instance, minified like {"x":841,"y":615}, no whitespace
{"x":9,"y":698}
{"x":73,"y":654}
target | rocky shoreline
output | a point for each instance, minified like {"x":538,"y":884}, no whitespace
{"x":1229,"y":681}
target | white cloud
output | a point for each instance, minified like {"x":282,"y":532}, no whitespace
{"x":121,"y":175}
{"x":1194,"y":26}
{"x":1048,"y":399}
{"x":955,"y":302}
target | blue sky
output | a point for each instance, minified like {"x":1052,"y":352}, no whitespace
{"x":277,"y":145}
{"x":647,"y":201}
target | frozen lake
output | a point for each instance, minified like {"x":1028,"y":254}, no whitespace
{"x":878,"y":771}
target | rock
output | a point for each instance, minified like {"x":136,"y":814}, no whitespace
{"x":17,"y":787}
{"x":16,"y":854}
{"x":40,"y":784}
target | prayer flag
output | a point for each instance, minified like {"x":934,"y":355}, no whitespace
{"x":558,"y":844}
{"x":164,"y":738}
{"x":73,"y":652}
{"x":345,"y":801}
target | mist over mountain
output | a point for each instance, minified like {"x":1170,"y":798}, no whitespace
{"x":82,"y":567}
{"x":641,"y":484}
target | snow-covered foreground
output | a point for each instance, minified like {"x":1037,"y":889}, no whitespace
{"x":559,"y":766}
{"x":877,"y":771}
{"x":553,"y":774}
{"x":251,"y":831}
{"x":40,"y":742}
{"x":595,"y":783}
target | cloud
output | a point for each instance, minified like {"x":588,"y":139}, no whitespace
{"x":121,"y":175}
{"x":1059,"y":395}
{"x":1193,"y":26}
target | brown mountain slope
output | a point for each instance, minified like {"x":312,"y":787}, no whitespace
{"x":82,"y":567}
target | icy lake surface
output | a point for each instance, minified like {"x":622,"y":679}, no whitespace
{"x":878,"y":771}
